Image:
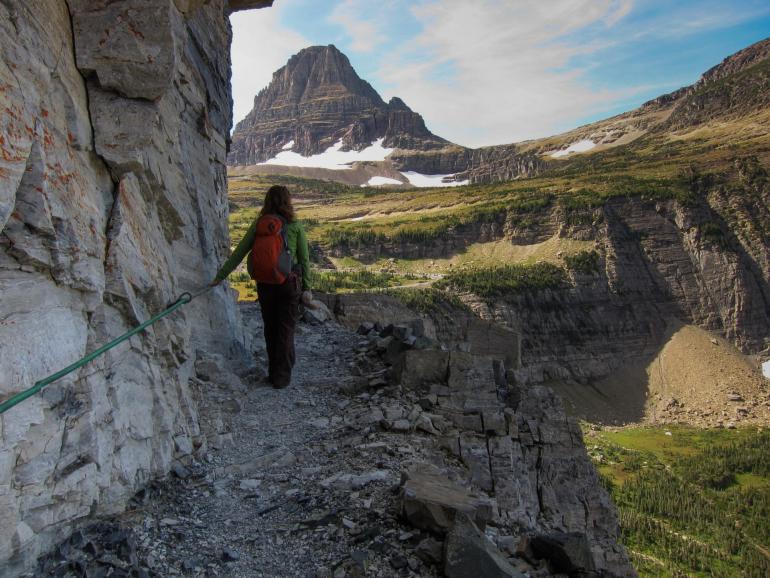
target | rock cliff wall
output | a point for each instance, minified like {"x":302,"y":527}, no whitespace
{"x":704,"y":262}
{"x":659,"y":261}
{"x":112,"y":201}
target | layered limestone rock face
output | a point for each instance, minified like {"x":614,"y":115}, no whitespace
{"x":112,"y":202}
{"x":502,"y":163}
{"x":521,"y":455}
{"x":705,"y":263}
{"x":658,"y":262}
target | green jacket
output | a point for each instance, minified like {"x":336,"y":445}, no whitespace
{"x":295,"y":236}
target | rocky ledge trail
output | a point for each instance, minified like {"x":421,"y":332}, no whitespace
{"x":387,"y":456}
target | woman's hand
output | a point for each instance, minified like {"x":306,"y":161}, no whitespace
{"x":307,"y":300}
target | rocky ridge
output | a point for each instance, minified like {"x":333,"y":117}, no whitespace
{"x":387,"y":456}
{"x":733,"y":88}
{"x":729,"y":91}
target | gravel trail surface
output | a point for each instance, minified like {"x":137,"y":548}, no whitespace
{"x":296,"y":483}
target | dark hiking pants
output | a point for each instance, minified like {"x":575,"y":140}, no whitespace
{"x":280,"y":311}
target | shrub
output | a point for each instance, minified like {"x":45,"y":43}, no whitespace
{"x":426,"y":300}
{"x":239,"y":277}
{"x":333,"y":281}
{"x":505,"y":280}
{"x":586,"y":262}
{"x":713,"y":234}
{"x":355,"y":237}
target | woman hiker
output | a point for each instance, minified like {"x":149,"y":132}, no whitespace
{"x":279,"y":262}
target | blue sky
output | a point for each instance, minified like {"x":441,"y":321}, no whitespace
{"x":499,"y":71}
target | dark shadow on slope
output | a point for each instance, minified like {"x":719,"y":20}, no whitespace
{"x":619,"y":398}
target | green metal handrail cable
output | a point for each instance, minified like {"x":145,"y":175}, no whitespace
{"x":183,"y":299}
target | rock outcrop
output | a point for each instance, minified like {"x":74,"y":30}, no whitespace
{"x":112,"y":201}
{"x":502,"y":163}
{"x":735,"y":87}
{"x":518,"y":449}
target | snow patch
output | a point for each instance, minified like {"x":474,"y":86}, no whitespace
{"x":288,"y":145}
{"x":420,"y":180}
{"x":375,"y":181}
{"x":576,"y":147}
{"x":766,"y":369}
{"x":332,"y":158}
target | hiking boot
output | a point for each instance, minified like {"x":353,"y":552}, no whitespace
{"x":261,"y":382}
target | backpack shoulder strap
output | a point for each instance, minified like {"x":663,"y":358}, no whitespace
{"x":284,"y":232}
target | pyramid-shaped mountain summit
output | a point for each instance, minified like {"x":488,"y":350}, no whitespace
{"x":317,"y":100}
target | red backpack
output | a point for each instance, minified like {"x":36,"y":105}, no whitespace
{"x":270,"y":260}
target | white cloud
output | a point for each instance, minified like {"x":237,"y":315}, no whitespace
{"x":364,"y":34}
{"x":510,"y":76}
{"x":621,"y":11}
{"x":261,"y":45}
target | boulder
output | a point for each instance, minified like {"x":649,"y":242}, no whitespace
{"x":568,"y":553}
{"x":475,"y":455}
{"x":469,"y":371}
{"x":213,"y":367}
{"x":431,"y":502}
{"x":416,"y":368}
{"x":317,"y":314}
{"x":430,"y":551}
{"x":365,"y":328}
{"x":395,"y":347}
{"x":469,"y":554}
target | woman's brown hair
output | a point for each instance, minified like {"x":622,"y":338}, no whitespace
{"x":278,"y":202}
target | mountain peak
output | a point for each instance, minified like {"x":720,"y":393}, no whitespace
{"x":317,"y":99}
{"x":396,"y":103}
{"x":318,"y":71}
